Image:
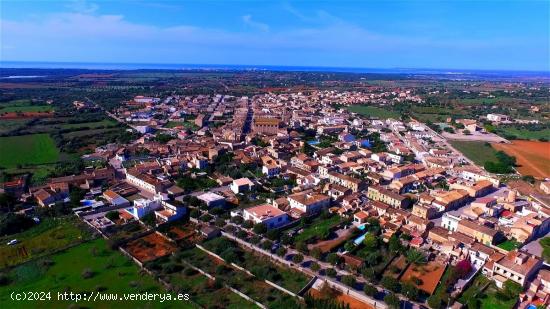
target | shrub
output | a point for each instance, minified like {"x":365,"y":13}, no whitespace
{"x":273,"y":234}
{"x":297,"y":258}
{"x":248,"y":224}
{"x":370,"y":290}
{"x":392,"y":301}
{"x":331,"y":272}
{"x":391,"y":283}
{"x":112,"y":215}
{"x":316,"y":253}
{"x":348,"y":280}
{"x":302,"y":247}
{"x":87,"y":273}
{"x":260,"y":228}
{"x":281,"y":251}
{"x":410,"y":291}
{"x":237,"y":220}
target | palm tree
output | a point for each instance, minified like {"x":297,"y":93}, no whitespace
{"x":416,"y":257}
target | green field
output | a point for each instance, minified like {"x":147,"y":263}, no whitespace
{"x":27,"y":149}
{"x":23,"y":106}
{"x":509,"y":245}
{"x":523,"y":133}
{"x":318,"y":227}
{"x":479,"y":152}
{"x":373,"y":112}
{"x":43,"y":239}
{"x":89,"y":267}
{"x":91,"y":125}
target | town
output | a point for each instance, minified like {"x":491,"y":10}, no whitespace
{"x":296,"y":198}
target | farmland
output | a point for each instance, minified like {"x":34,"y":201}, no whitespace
{"x":85,"y":268}
{"x":22,"y":106}
{"x":479,"y":152}
{"x":373,"y":112}
{"x":46,"y":237}
{"x":27,"y":150}
{"x":533,"y":158}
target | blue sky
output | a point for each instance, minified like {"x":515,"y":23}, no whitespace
{"x":506,"y":35}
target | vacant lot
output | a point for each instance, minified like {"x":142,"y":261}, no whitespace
{"x":150,"y":247}
{"x":532,"y":157}
{"x":90,"y":267}
{"x":479,"y":152}
{"x":42,"y":239}
{"x":373,"y":111}
{"x":27,"y":149}
{"x":429,"y":274}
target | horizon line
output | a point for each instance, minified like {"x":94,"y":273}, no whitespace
{"x":251,"y":66}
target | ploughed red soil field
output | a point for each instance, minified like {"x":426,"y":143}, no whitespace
{"x":533,"y":157}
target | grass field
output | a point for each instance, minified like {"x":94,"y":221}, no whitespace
{"x":89,"y":267}
{"x":27,"y":149}
{"x":373,"y":112}
{"x":91,"y":125}
{"x":523,"y":133}
{"x":40,"y":240}
{"x":317,"y":227}
{"x":23,"y":106}
{"x":479,"y":152}
{"x":509,"y":245}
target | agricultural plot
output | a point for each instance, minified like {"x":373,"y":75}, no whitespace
{"x":429,"y":275}
{"x":318,"y":228}
{"x":89,"y":267}
{"x":44,"y":238}
{"x":533,"y":158}
{"x":32,"y":149}
{"x":150,"y":247}
{"x":373,"y":111}
{"x":479,"y":152}
{"x":23,"y":106}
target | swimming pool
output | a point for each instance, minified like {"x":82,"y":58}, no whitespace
{"x":359,"y":239}
{"x":314,"y":142}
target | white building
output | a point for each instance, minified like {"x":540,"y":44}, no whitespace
{"x":267,"y":214}
{"x":241,"y":185}
{"x":143,"y":207}
{"x":450,"y":221}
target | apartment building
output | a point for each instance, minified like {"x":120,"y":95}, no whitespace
{"x":346,"y":181}
{"x":308,"y":203}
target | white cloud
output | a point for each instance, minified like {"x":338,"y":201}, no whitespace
{"x":247,"y":19}
{"x":82,"y":6}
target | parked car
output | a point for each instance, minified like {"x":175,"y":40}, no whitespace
{"x":12,"y":242}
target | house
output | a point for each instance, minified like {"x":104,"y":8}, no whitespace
{"x":308,"y":203}
{"x":479,"y":188}
{"x":360,"y":217}
{"x":378,"y":193}
{"x":424,"y":211}
{"x":146,"y":181}
{"x":270,"y":167}
{"x":538,"y":291}
{"x":241,"y":185}
{"x":450,"y":221}
{"x":479,"y":254}
{"x":212,"y":199}
{"x":545,"y":187}
{"x":267,"y":214}
{"x":346,"y":181}
{"x":55,"y":192}
{"x":517,"y":266}
{"x":209,"y":231}
{"x":115,"y":199}
{"x":481,"y":233}
{"x":169,"y":212}
{"x":143,"y":207}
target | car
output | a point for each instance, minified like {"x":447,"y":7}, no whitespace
{"x":275,"y":247}
{"x":12,"y":242}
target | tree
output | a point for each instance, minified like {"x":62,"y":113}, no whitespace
{"x":370,"y":290}
{"x":248,"y":224}
{"x":14,"y":223}
{"x":237,"y":220}
{"x":370,"y":241}
{"x":391,"y":283}
{"x":331,"y":272}
{"x":410,"y":291}
{"x":302,"y":247}
{"x":273,"y":234}
{"x":316,"y":253}
{"x":333,"y":258}
{"x":298,"y":258}
{"x":394,"y":244}
{"x":315,"y":266}
{"x":349,"y":280}
{"x":112,"y":215}
{"x":260,"y":228}
{"x":511,"y":289}
{"x":286,"y":239}
{"x":435,"y":301}
{"x":281,"y":251}
{"x":392,"y":301}
{"x":266,"y":244}
{"x":463,"y":268}
{"x":415,"y":256}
